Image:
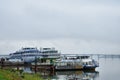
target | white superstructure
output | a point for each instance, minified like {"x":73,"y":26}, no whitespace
{"x":76,"y":62}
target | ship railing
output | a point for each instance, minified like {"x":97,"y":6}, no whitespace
{"x":55,"y":54}
{"x":41,"y":63}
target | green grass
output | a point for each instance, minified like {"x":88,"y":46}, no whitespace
{"x":8,"y":75}
{"x":15,"y":75}
{"x":32,"y":77}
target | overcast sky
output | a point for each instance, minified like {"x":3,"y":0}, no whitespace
{"x":71,"y":26}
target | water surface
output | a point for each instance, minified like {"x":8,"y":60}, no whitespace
{"x":109,"y":69}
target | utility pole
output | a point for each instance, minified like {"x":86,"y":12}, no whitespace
{"x":35,"y":64}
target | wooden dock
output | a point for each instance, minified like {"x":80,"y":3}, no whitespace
{"x":35,"y":67}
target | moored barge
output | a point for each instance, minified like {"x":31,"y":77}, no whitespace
{"x":76,"y":63}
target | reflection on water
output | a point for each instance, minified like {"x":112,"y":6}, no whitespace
{"x":66,"y":75}
{"x":75,"y":75}
{"x":27,"y":70}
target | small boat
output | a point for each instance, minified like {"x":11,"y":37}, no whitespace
{"x":89,"y":63}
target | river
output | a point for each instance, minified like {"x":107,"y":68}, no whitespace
{"x":109,"y":69}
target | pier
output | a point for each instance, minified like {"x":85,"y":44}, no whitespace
{"x":36,"y":66}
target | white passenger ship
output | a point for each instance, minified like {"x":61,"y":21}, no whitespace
{"x":30,"y":54}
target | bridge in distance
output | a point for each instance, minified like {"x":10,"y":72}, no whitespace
{"x":97,"y":55}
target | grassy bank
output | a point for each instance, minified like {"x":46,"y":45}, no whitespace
{"x":32,"y":77}
{"x":15,"y":75}
{"x":9,"y":75}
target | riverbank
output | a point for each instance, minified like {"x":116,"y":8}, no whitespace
{"x":9,"y":74}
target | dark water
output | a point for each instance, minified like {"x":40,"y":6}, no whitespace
{"x":109,"y":69}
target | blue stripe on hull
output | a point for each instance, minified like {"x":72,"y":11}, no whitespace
{"x":89,"y":67}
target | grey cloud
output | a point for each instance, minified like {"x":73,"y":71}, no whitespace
{"x":55,"y":19}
